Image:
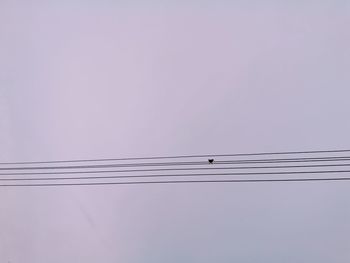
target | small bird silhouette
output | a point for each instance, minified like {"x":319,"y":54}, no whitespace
{"x":211,"y":161}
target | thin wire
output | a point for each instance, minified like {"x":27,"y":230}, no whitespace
{"x":180,"y":169}
{"x":320,"y":159}
{"x":171,"y":175}
{"x":183,"y":182}
{"x":179,"y":156}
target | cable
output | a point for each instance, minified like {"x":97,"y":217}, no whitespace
{"x":319,"y":159}
{"x":178,"y":156}
{"x":171,"y":175}
{"x":183,"y":182}
{"x":180,"y":169}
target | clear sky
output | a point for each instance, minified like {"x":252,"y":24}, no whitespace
{"x":90,"y":79}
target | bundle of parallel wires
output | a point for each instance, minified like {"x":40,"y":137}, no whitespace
{"x":297,"y":166}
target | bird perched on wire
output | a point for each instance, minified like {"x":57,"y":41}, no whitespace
{"x":211,"y":161}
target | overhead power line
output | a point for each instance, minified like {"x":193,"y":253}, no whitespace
{"x":179,"y":156}
{"x":182,"y":182}
{"x":244,"y":161}
{"x":172,"y":175}
{"x":178,"y":169}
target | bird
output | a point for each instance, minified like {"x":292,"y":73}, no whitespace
{"x":211,"y":161}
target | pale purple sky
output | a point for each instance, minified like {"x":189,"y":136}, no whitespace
{"x":87,"y":79}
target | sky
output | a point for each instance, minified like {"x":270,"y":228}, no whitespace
{"x":102,"y":79}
